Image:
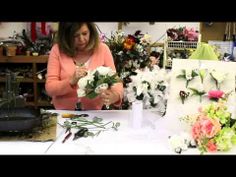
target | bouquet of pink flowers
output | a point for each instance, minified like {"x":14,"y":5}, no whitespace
{"x":214,"y":128}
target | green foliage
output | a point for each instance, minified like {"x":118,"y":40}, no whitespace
{"x":91,"y":127}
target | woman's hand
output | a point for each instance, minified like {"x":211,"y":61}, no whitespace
{"x":80,"y":71}
{"x":109,"y":97}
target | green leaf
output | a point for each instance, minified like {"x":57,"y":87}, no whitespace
{"x":195,"y":91}
{"x":97,"y":119}
{"x":194,"y":73}
{"x":90,"y":134}
{"x":233,"y":139}
{"x":117,"y":124}
{"x":181,"y":76}
{"x":92,"y":95}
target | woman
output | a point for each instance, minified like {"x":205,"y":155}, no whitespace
{"x":78,"y":49}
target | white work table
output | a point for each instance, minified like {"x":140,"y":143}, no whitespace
{"x":150,"y":139}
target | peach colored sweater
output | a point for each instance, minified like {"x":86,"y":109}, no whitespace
{"x":60,"y":69}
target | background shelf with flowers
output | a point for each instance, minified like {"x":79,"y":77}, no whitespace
{"x":180,"y":43}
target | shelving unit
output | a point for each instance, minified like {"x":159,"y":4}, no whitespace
{"x":178,"y":45}
{"x":30,"y":83}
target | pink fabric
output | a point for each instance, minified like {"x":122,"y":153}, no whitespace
{"x":59,"y":71}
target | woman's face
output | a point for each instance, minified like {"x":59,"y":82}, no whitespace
{"x":81,"y":37}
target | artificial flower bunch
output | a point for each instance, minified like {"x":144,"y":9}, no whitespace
{"x":213,"y":128}
{"x":95,"y":80}
{"x":218,"y":77}
{"x":130,"y":52}
{"x":150,"y":86}
{"x":188,"y":75}
{"x":82,"y":126}
{"x":182,"y":34}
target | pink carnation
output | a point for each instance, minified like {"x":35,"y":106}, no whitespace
{"x":215,"y":94}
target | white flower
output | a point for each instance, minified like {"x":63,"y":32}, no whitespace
{"x":177,"y":143}
{"x":105,"y":70}
{"x":83,"y":82}
{"x":188,"y":74}
{"x":81,"y":93}
{"x":120,"y":53}
{"x":103,"y":86}
{"x":139,"y":48}
{"x":219,"y":76}
{"x":146,"y":39}
{"x":131,"y":97}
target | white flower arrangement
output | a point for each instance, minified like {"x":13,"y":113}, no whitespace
{"x":100,"y":78}
{"x":150,"y":86}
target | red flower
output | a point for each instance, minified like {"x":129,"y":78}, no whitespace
{"x":129,"y":42}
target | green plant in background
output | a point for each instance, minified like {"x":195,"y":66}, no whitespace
{"x":42,"y":45}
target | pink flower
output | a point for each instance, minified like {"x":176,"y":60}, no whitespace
{"x":190,"y":34}
{"x":196,"y":130}
{"x":153,"y":60}
{"x":205,"y":128}
{"x":215,"y":94}
{"x":210,"y":127}
{"x":211,"y":146}
{"x":102,"y":37}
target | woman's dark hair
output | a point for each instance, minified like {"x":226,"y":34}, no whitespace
{"x":65,"y":37}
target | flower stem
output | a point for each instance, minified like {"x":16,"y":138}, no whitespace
{"x":187,"y":84}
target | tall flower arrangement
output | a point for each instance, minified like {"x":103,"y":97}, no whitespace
{"x":130,"y":52}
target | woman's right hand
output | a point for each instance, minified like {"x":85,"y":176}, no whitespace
{"x":80,"y":71}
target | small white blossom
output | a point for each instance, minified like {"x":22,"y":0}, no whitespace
{"x":177,"y":143}
{"x":105,"y":70}
{"x":103,"y":86}
{"x":81,"y":93}
{"x":188,"y":74}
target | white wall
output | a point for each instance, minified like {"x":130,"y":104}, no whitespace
{"x":157,"y":30}
{"x":107,"y":27}
{"x":7,"y":28}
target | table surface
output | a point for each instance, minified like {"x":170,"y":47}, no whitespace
{"x":149,"y":139}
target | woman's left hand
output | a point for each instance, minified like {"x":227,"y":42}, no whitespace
{"x":109,"y":96}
